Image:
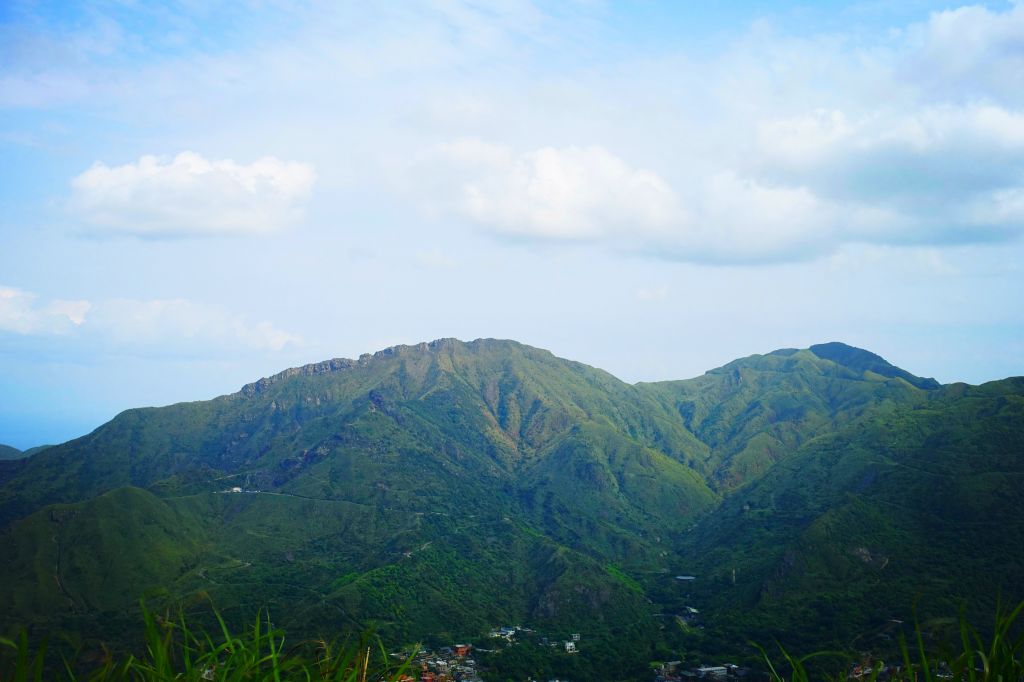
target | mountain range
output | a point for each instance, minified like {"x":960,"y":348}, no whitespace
{"x":438,"y":490}
{"x":10,"y":452}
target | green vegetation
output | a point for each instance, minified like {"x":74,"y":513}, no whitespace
{"x":175,"y":651}
{"x":435,"y":491}
{"x":428,"y":490}
{"x":913,"y":505}
{"x":969,"y":657}
{"x":10,"y":453}
{"x":755,"y":412}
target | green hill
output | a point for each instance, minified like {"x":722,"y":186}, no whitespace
{"x":8,"y":452}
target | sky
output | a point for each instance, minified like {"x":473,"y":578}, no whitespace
{"x":196,"y":195}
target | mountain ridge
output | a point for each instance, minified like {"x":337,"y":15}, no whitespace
{"x":403,"y":485}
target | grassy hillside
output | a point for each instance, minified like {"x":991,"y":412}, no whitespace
{"x":8,"y":452}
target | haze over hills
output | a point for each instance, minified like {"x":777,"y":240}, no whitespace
{"x":448,"y":487}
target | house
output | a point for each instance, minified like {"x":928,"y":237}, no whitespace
{"x":461,"y":650}
{"x":575,"y":636}
{"x":236,"y":489}
{"x":570,"y":647}
{"x":714,"y":672}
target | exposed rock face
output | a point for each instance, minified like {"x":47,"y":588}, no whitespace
{"x":341,"y":364}
{"x":325,"y":367}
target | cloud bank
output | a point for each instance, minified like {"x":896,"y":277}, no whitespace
{"x":192,"y":196}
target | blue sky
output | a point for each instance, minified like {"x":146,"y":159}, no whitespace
{"x":194,"y":197}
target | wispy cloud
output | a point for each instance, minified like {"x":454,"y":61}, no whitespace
{"x":970,"y":52}
{"x":189,"y":195}
{"x":22,"y":313}
{"x":137,"y":324}
{"x":153,"y":323}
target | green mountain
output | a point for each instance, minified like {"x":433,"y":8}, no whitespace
{"x":442,"y":489}
{"x":753,"y":412}
{"x":8,"y":453}
{"x":438,"y":489}
{"x":919,"y":506}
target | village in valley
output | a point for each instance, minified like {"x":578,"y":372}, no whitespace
{"x":450,"y":664}
{"x":456,"y":663}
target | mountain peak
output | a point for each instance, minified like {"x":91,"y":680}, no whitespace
{"x":443,"y":345}
{"x":866,"y":361}
{"x":845,"y":354}
{"x":855,"y":360}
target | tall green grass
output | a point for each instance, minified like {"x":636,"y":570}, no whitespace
{"x":996,"y":656}
{"x":175,"y":651}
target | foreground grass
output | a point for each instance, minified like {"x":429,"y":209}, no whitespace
{"x":972,"y":657}
{"x":174,"y":651}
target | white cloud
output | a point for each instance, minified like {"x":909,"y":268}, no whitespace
{"x":781,"y":146}
{"x":190,"y":195}
{"x":569,"y":193}
{"x":743,"y":220}
{"x":970,"y":50}
{"x":128,"y":323}
{"x":589,"y":194}
{"x":980,"y":126}
{"x":935,"y":175}
{"x":20,"y":313}
{"x":806,"y":142}
{"x":802,"y":140}
{"x":154,"y":322}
